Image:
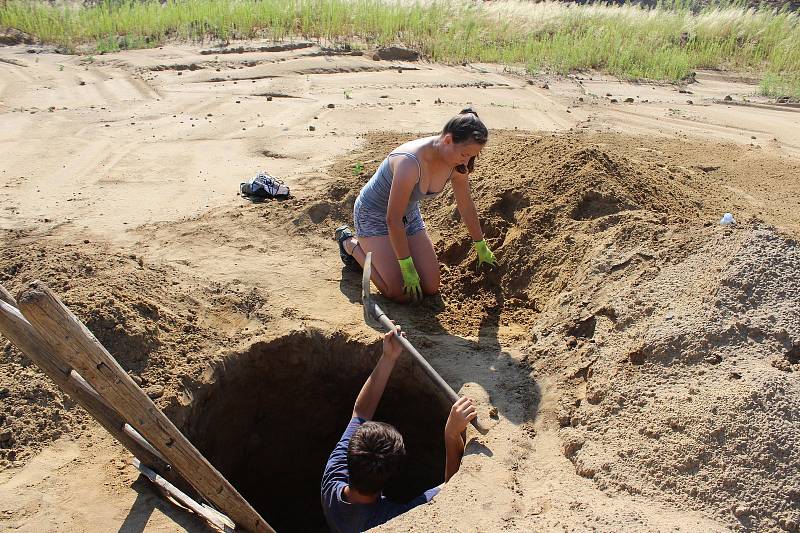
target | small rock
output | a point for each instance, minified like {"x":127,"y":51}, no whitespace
{"x":689,"y":102}
{"x":7,"y":346}
{"x":571,"y":341}
{"x":728,"y":98}
{"x":395,"y":53}
{"x":752,"y":136}
{"x":154,"y":391}
{"x":613,"y":100}
{"x":740,"y":511}
{"x":571,"y":442}
{"x":5,"y":435}
{"x":545,"y":86}
{"x":311,"y":128}
{"x":137,"y":379}
{"x":493,"y":412}
{"x":595,"y":395}
{"x":331,"y":106}
{"x":629,"y":100}
{"x":12,"y":36}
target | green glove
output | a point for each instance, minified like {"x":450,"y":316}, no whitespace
{"x":485,"y":255}
{"x":411,"y":285}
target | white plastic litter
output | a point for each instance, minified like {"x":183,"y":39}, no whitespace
{"x":727,"y":219}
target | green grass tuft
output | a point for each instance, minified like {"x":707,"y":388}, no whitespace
{"x":663,"y":43}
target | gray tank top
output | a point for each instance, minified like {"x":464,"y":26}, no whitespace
{"x":375,"y":193}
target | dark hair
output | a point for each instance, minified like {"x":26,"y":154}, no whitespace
{"x":467,"y":127}
{"x":375,"y":453}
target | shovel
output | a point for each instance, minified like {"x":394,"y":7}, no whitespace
{"x":373,"y":311}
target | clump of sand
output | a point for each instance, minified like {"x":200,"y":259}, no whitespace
{"x":670,"y":343}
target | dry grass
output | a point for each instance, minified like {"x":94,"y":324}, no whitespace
{"x":664,"y":43}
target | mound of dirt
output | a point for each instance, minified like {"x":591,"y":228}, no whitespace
{"x":161,"y":326}
{"x":547,"y":201}
{"x":673,"y":340}
{"x":686,"y":387}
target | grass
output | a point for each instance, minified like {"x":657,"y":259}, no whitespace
{"x":664,"y":43}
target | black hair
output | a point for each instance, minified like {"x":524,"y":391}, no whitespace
{"x":375,"y":453}
{"x":467,"y":127}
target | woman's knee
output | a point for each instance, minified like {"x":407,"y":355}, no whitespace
{"x":394,"y":287}
{"x":430,"y":282}
{"x":429,"y":289}
{"x":397,"y":294}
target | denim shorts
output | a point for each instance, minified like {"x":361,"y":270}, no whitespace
{"x":371,"y":223}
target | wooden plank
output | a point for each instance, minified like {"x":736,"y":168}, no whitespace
{"x":6,"y":297}
{"x":19,"y":331}
{"x":76,"y":345}
{"x":222,"y":522}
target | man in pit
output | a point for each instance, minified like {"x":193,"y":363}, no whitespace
{"x":370,"y":453}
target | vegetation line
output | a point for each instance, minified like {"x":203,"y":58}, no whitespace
{"x":666,"y":42}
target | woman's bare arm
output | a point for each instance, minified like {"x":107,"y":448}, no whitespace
{"x":466,"y":207}
{"x":406,"y":175}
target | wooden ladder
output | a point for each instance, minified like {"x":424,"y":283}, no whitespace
{"x":51,"y":336}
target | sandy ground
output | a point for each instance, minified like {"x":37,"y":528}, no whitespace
{"x":641,"y":358}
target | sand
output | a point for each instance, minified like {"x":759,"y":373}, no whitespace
{"x":640,"y":358}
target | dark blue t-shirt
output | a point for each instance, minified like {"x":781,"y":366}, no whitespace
{"x":344,"y":517}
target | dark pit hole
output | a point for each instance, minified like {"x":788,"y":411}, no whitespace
{"x":269,"y":418}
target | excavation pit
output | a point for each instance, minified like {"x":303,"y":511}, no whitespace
{"x":268,"y":419}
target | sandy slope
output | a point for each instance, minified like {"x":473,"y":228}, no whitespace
{"x":621,"y":307}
